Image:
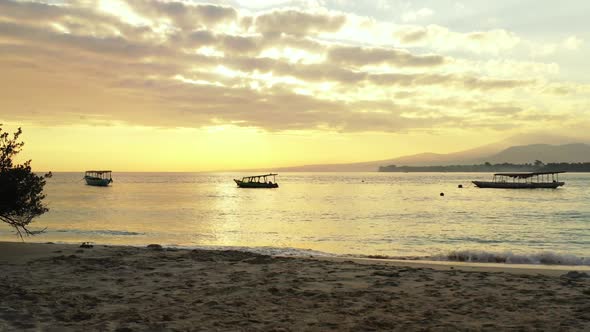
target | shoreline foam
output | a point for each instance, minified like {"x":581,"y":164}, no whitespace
{"x":538,"y":260}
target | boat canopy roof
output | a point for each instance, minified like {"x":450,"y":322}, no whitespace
{"x":99,"y":172}
{"x":524,"y":175}
{"x":259,"y":176}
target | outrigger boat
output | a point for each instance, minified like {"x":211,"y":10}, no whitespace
{"x":528,"y":180}
{"x":98,"y":178}
{"x":258,"y":181}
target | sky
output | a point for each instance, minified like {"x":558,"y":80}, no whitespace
{"x":149,"y":85}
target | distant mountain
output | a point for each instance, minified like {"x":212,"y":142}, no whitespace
{"x":421,"y":159}
{"x":493,"y":153}
{"x":571,"y":153}
{"x":490,"y":151}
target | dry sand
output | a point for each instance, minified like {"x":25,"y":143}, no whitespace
{"x":53,"y":287}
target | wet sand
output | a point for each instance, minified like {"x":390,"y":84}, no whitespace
{"x":53,"y":287}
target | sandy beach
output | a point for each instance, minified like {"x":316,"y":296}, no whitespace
{"x":56,"y":287}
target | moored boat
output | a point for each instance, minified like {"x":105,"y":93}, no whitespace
{"x":523,"y":180}
{"x":258,"y":181}
{"x":98,"y":178}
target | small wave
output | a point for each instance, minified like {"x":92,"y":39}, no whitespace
{"x":98,"y":232}
{"x":271,"y":251}
{"x":479,"y":256}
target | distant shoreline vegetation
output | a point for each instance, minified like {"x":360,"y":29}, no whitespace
{"x":538,"y":166}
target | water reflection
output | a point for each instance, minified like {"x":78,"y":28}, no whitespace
{"x":366,"y":213}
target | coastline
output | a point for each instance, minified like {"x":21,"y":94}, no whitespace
{"x":29,"y":250}
{"x":529,"y":269}
{"x":117,"y":288}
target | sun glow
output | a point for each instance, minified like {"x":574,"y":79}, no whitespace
{"x":197,"y":82}
{"x":121,"y":10}
{"x":293,"y":55}
{"x":209,"y":51}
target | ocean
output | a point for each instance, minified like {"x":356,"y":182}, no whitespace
{"x":398,"y":215}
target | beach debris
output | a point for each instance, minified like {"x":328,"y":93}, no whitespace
{"x":460,"y":186}
{"x":124,"y":329}
{"x":155,"y":246}
{"x":86,"y":245}
{"x":575,"y":275}
{"x":442,"y":194}
{"x":64,"y":258}
{"x":230,"y":256}
{"x":378,"y":257}
{"x":389,"y":274}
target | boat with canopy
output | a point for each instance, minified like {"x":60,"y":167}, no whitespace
{"x":523,"y":180}
{"x":258,"y":181}
{"x":98,"y":178}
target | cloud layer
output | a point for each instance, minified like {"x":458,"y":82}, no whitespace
{"x":184,"y":64}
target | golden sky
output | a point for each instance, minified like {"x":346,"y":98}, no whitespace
{"x":149,"y":85}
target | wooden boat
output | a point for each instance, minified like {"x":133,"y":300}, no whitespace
{"x":527,"y":180}
{"x":258,"y":181}
{"x":98,"y":178}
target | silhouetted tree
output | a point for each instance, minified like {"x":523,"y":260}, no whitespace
{"x":21,"y":190}
{"x":538,"y":163}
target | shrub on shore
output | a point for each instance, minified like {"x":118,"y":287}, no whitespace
{"x":21,"y":190}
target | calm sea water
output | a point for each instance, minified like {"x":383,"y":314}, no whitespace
{"x":392,"y":214}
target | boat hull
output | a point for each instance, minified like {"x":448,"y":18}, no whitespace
{"x":97,"y":182}
{"x":517,"y":185}
{"x":243,"y":184}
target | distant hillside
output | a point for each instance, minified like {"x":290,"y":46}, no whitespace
{"x":486,"y":153}
{"x":421,"y":159}
{"x":570,"y":153}
{"x":487,"y":167}
{"x":567,"y":153}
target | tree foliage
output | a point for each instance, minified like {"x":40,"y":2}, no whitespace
{"x":21,"y":190}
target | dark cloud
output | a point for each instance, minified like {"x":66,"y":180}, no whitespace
{"x":559,"y":90}
{"x":185,"y":15}
{"x":448,"y":80}
{"x":476,"y":36}
{"x":78,"y":19}
{"x":31,"y":11}
{"x":490,"y":84}
{"x":201,"y":37}
{"x":359,"y":56}
{"x":37,"y":12}
{"x":232,"y":44}
{"x":112,"y":45}
{"x":501,"y":110}
{"x":297,"y":23}
{"x":411,"y":35}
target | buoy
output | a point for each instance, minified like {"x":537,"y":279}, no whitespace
{"x":460,"y":186}
{"x":442,"y":194}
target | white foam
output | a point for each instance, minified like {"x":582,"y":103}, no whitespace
{"x":544,"y":257}
{"x":470,"y":256}
{"x":271,"y":251}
